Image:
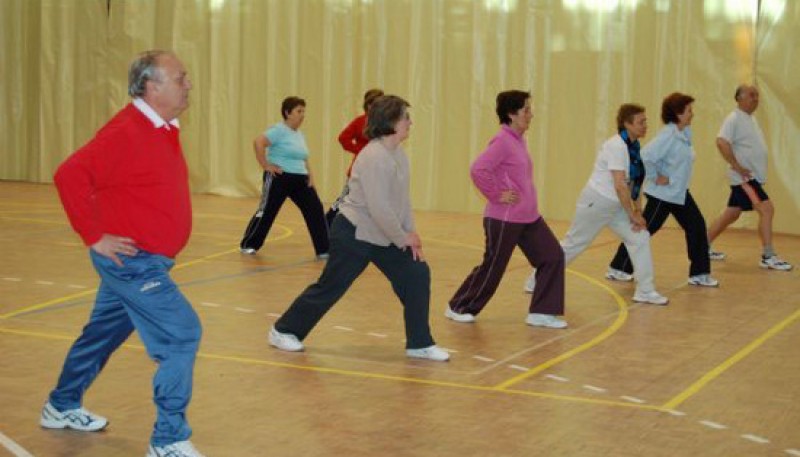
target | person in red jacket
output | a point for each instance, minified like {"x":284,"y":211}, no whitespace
{"x":353,"y":140}
{"x":126,"y":193}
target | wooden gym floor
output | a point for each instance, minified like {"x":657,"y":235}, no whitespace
{"x":715,"y":373}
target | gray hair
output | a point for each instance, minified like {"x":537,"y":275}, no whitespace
{"x":144,"y":68}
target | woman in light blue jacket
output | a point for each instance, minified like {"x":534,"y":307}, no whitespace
{"x":668,"y":160}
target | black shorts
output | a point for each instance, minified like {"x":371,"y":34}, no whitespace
{"x":739,"y":198}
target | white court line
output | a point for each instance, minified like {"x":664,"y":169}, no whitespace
{"x":594,"y":388}
{"x":377,"y":335}
{"x":273,"y":315}
{"x":210,"y":305}
{"x":482,"y":358}
{"x":792,"y":452}
{"x":676,"y":413}
{"x":518,"y":367}
{"x":45,"y":283}
{"x":244,"y":310}
{"x":755,"y":438}
{"x":339,"y":327}
{"x":76,"y":286}
{"x":13,"y":279}
{"x":556,"y":378}
{"x":632,"y":399}
{"x":15,"y":448}
{"x":714,"y":425}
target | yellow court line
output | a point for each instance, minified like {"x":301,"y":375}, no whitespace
{"x":47,"y":304}
{"x":288,"y":233}
{"x":618,"y":322}
{"x":721,"y":368}
{"x":367,"y":375}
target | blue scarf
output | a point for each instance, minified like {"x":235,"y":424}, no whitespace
{"x":636,"y":170}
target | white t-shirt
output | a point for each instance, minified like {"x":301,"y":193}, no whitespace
{"x":747,"y":141}
{"x":612,"y":156}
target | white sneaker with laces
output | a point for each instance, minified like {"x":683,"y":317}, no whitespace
{"x":652,"y":297}
{"x":704,"y":280}
{"x":545,"y":320}
{"x":284,"y":341}
{"x":76,"y":419}
{"x":775,"y":263}
{"x":458,"y":317}
{"x":248,"y":251}
{"x":179,"y":449}
{"x":618,"y":275}
{"x":430,"y":353}
{"x":530,"y":284}
{"x":716,"y":255}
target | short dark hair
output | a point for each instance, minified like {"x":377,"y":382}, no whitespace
{"x":673,"y":105}
{"x":383,"y":114}
{"x":370,"y":96}
{"x":290,"y":103}
{"x":626,"y":113}
{"x":510,"y":102}
{"x":739,"y":90}
{"x":144,"y":68}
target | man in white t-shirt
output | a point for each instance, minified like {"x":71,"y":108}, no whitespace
{"x":742,"y":145}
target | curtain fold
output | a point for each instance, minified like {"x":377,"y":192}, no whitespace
{"x":64,"y":67}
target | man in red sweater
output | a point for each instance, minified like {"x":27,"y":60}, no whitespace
{"x":126,"y":193}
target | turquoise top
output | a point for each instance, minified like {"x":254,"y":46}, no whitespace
{"x":287,"y":148}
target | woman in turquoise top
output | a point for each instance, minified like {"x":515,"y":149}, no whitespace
{"x":283,"y":155}
{"x":668,"y":160}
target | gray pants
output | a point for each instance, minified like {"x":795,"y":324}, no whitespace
{"x":593,"y":212}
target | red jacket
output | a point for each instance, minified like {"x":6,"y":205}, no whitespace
{"x":129,"y":180}
{"x":352,"y":138}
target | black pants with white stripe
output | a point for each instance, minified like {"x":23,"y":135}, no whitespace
{"x":691,"y":221}
{"x":274,"y":192}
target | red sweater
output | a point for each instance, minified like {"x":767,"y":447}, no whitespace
{"x":129,"y":180}
{"x":352,"y":138}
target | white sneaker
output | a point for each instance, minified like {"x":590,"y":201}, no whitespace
{"x":775,"y":263}
{"x":704,"y":280}
{"x":653,"y":297}
{"x":716,"y":255}
{"x":545,"y":320}
{"x":284,"y":341}
{"x":430,"y":353}
{"x":179,"y":449}
{"x":248,"y":251}
{"x":530,"y":283}
{"x":458,"y":317}
{"x":323,"y":256}
{"x":618,"y":275}
{"x":76,"y":419}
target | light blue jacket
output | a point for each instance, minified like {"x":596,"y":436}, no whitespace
{"x":669,"y":154}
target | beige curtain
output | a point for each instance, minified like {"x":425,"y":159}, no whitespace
{"x":64,"y":66}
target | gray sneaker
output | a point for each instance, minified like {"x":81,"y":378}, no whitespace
{"x":618,"y":275}
{"x":652,"y":297}
{"x":285,"y":341}
{"x":716,"y":255}
{"x":703,"y":280}
{"x":430,"y":353}
{"x":545,"y":320}
{"x":179,"y":449}
{"x":774,"y":263}
{"x":76,"y":419}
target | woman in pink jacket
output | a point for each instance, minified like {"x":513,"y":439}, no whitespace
{"x":504,"y":175}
